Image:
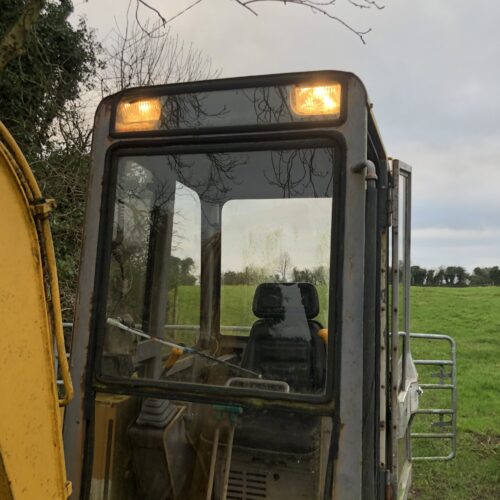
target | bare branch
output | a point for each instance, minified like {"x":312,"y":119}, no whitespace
{"x":244,"y":4}
{"x":136,"y":59}
{"x":196,"y":2}
{"x":316,"y":6}
{"x":321,"y":7}
{"x":366,"y":4}
{"x":156,"y":11}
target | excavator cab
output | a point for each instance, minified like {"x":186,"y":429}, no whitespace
{"x":237,"y":332}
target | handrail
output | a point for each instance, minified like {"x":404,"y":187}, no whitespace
{"x":452,"y":412}
{"x":40,"y":208}
{"x":56,"y":305}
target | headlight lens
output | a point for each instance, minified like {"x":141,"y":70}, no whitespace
{"x":317,"y":100}
{"x":138,"y":115}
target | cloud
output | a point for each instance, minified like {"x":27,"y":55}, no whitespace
{"x":436,"y":246}
{"x":431,"y":72}
{"x":451,"y":236}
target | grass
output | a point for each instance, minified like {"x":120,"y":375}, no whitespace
{"x":236,"y":305}
{"x":472,"y":317}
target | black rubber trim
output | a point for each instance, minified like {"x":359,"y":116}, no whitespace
{"x":200,"y":392}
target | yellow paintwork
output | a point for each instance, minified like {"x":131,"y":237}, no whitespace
{"x":323,"y":333}
{"x":31,"y":450}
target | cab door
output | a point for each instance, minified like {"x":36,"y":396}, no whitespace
{"x":404,"y":388}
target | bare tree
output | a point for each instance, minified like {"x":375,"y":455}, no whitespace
{"x":62,"y":171}
{"x":284,"y":266}
{"x":135,"y":60}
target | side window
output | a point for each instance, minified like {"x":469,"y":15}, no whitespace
{"x":400,"y":296}
{"x":272,"y":240}
{"x":403,"y":244}
{"x":155,"y":261}
{"x":183,"y":303}
{"x":404,"y":275}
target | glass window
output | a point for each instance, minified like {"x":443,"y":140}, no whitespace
{"x":283,"y":240}
{"x":219,"y":269}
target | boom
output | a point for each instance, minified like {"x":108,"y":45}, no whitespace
{"x":31,"y":451}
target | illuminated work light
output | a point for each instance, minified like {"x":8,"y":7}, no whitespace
{"x":138,"y":115}
{"x":317,"y":100}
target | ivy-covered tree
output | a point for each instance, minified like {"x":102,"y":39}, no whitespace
{"x":19,"y":24}
{"x":59,"y":61}
{"x":40,"y":86}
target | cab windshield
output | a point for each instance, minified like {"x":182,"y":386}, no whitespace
{"x":219,"y":269}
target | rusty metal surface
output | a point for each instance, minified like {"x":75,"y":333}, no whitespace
{"x":75,"y":419}
{"x":347,"y":480}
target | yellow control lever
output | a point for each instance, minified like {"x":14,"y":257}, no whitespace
{"x":174,"y":355}
{"x":323,"y":333}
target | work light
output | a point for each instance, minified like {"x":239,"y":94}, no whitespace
{"x":316,"y":100}
{"x":138,"y":114}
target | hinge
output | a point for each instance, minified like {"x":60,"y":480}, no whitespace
{"x":42,"y":206}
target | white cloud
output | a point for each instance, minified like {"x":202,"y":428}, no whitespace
{"x":433,"y":247}
{"x":449,"y":234}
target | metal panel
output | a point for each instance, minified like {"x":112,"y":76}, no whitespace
{"x":404,"y":388}
{"x":384,"y":326}
{"x":347,"y":481}
{"x":31,"y":461}
{"x":77,"y":415}
{"x":394,"y":343}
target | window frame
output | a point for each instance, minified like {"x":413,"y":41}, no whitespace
{"x":200,"y":392}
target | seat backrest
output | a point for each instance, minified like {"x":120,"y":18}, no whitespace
{"x":284,"y":343}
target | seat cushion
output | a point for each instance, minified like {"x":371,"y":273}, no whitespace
{"x":278,"y":431}
{"x":280,"y":352}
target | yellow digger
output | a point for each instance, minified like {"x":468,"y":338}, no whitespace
{"x":31,"y":452}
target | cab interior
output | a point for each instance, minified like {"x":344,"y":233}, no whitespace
{"x":201,"y":307}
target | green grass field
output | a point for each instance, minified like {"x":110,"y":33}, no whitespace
{"x":472,"y":317}
{"x":236,"y":305}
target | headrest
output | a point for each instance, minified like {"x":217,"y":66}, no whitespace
{"x":275,"y":300}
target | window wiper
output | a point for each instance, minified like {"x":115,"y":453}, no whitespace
{"x":189,"y":350}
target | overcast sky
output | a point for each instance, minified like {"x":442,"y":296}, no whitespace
{"x":432,"y":70}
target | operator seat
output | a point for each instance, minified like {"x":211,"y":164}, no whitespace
{"x":284,"y":343}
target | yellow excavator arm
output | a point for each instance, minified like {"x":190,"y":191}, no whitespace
{"x":31,"y":450}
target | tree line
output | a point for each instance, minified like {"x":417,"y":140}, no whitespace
{"x":455,"y":276}
{"x":252,"y":275}
{"x":451,"y":276}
